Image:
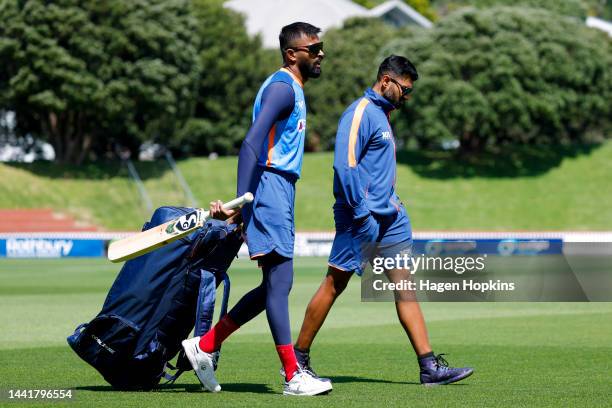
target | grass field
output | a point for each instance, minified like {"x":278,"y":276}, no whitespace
{"x":539,"y":189}
{"x":525,"y":354}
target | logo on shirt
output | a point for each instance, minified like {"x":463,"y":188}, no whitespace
{"x":387,"y":136}
{"x":301,"y":126}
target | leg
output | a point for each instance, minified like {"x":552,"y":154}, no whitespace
{"x":250,"y":305}
{"x":411,"y":318}
{"x":434,"y":369}
{"x":278,"y":279}
{"x":332,"y":286}
{"x":345,"y":261}
{"x":410,"y":314}
{"x":200,"y":351}
{"x":247,"y":308}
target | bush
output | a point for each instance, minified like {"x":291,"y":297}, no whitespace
{"x":574,"y":8}
{"x":507,"y":75}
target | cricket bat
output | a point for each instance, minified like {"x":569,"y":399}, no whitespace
{"x":151,"y":239}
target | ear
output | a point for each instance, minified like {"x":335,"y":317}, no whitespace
{"x":290,"y":56}
{"x":384,"y":81}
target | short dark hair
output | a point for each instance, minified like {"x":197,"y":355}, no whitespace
{"x":398,"y":65}
{"x":292,"y":32}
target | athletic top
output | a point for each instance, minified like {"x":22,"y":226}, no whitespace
{"x":364,"y":158}
{"x":276,"y":137}
{"x":283,"y":149}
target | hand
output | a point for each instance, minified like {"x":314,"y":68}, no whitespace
{"x":366,"y":228}
{"x":217,"y":212}
{"x":358,"y":222}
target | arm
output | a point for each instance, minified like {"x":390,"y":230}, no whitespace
{"x":276,"y":104}
{"x":349,"y":148}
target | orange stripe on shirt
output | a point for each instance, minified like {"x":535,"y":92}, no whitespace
{"x":352,"y":161}
{"x":271,"y":135}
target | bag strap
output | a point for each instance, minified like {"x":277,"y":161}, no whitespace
{"x":204,"y":315}
{"x":206,"y":303}
{"x":226,"y":293}
{"x":171,"y":378}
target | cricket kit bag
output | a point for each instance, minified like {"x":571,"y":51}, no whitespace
{"x":155,"y":302}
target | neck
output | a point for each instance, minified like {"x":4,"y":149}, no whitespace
{"x":377,"y":88}
{"x":295,"y":71}
{"x":388,"y":106}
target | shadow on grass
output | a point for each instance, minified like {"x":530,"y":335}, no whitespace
{"x":247,"y":387}
{"x":521,"y":161}
{"x":93,"y":170}
{"x":190,"y":388}
{"x":341,"y":379}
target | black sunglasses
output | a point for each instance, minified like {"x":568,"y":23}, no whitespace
{"x":312,"y":49}
{"x":406,"y":90}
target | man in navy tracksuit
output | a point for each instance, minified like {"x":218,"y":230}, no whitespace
{"x":369,"y":213}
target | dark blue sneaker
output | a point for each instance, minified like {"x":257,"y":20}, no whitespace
{"x":435,"y":371}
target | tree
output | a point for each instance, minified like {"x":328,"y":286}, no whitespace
{"x":507,"y":75}
{"x":82,"y":74}
{"x":574,"y":8}
{"x":233,"y":67}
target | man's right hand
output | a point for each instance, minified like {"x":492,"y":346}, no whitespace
{"x":365,"y":229}
{"x":219,"y":213}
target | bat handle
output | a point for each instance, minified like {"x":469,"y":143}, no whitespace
{"x":238,"y":202}
{"x":235,"y":203}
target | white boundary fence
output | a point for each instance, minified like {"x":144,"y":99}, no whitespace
{"x":306,"y":243}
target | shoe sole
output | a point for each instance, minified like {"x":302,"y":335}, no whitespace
{"x":450,"y":381}
{"x":191,"y":357}
{"x":310,"y":394}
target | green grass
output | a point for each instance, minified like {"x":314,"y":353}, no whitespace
{"x":525,"y":354}
{"x":542,"y":190}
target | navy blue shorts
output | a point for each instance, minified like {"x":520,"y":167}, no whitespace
{"x":269,"y":220}
{"x":355,"y":245}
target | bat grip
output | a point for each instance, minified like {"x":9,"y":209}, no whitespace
{"x":235,"y":203}
{"x":238,"y":202}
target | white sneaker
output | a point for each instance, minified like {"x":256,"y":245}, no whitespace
{"x":309,"y":371}
{"x":303,"y":383}
{"x":202,"y":363}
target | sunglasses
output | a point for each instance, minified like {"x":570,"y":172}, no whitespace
{"x":406,"y":90}
{"x":312,"y":49}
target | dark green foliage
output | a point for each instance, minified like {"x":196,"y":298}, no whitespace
{"x":81,"y":74}
{"x":508,"y":75}
{"x":352,"y":59}
{"x":85,"y":74}
{"x":233,"y":67}
{"x":575,"y":8}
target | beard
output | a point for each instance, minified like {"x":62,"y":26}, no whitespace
{"x":310,"y":69}
{"x":390,"y":97}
